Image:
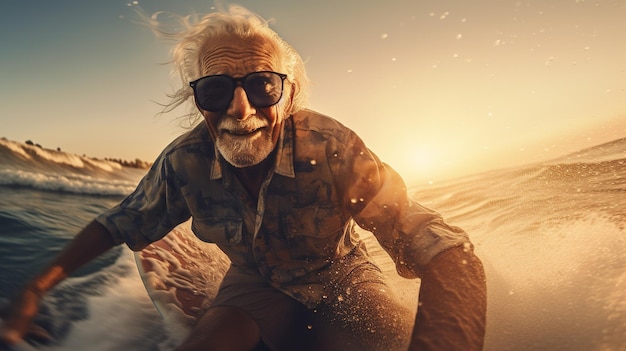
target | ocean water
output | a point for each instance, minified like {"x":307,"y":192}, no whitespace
{"x":551,"y":236}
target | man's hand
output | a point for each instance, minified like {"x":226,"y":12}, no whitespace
{"x":453,"y":303}
{"x":90,"y":243}
{"x":18,"y":323}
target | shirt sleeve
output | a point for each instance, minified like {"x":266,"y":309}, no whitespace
{"x":151,"y":211}
{"x":377,"y":196}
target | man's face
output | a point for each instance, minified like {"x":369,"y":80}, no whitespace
{"x":244,"y":134}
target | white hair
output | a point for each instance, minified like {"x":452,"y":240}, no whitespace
{"x":191,"y":35}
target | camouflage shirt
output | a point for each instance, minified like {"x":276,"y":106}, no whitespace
{"x":300,"y":233}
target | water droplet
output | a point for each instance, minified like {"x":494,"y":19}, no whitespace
{"x":467,"y":247}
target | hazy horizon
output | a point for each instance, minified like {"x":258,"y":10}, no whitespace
{"x":411,"y":181}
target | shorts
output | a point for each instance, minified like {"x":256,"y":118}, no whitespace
{"x":283,"y":321}
{"x":359,"y":314}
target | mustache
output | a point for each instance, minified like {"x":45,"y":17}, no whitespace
{"x":247,"y":125}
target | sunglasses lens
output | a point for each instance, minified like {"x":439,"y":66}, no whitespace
{"x":264,"y":89}
{"x":214,"y":93}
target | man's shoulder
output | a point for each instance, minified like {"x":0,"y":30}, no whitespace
{"x":318,"y":123}
{"x":194,"y":140}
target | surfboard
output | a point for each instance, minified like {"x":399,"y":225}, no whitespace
{"x":181,"y":274}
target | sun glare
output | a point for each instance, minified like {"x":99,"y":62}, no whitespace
{"x":417,"y":163}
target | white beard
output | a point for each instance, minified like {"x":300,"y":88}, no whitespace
{"x":244,"y":150}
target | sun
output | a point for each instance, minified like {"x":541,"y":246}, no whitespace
{"x":417,"y":163}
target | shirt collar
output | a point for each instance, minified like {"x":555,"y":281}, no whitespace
{"x":284,"y":154}
{"x":216,"y":168}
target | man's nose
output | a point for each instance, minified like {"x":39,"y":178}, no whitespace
{"x":240,"y":106}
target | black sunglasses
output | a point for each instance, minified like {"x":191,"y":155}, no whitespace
{"x":214,"y":93}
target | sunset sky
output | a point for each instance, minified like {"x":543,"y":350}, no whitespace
{"x":438,"y":89}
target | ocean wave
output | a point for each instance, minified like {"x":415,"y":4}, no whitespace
{"x":540,"y":282}
{"x":69,"y":183}
{"x":32,"y":166}
{"x":605,"y":177}
{"x":11,"y":151}
{"x":612,"y":150}
{"x":583,"y":170}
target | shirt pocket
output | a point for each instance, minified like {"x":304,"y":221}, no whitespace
{"x":312,"y":232}
{"x":218,"y":230}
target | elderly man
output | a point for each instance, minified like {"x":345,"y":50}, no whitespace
{"x":279,"y":189}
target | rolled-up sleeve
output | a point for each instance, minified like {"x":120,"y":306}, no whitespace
{"x":151,"y":211}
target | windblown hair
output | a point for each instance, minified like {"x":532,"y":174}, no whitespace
{"x":192,"y":33}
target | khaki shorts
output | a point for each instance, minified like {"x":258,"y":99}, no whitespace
{"x":362,"y":315}
{"x":280,"y":318}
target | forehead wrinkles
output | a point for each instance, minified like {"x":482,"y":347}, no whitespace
{"x":238,"y":57}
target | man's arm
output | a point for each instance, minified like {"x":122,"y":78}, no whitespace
{"x":453,"y":303}
{"x":90,"y":243}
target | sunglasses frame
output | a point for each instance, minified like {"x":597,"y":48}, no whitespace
{"x":236,"y":83}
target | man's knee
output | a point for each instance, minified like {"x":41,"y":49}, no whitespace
{"x":223,"y":328}
{"x":368,"y":317}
